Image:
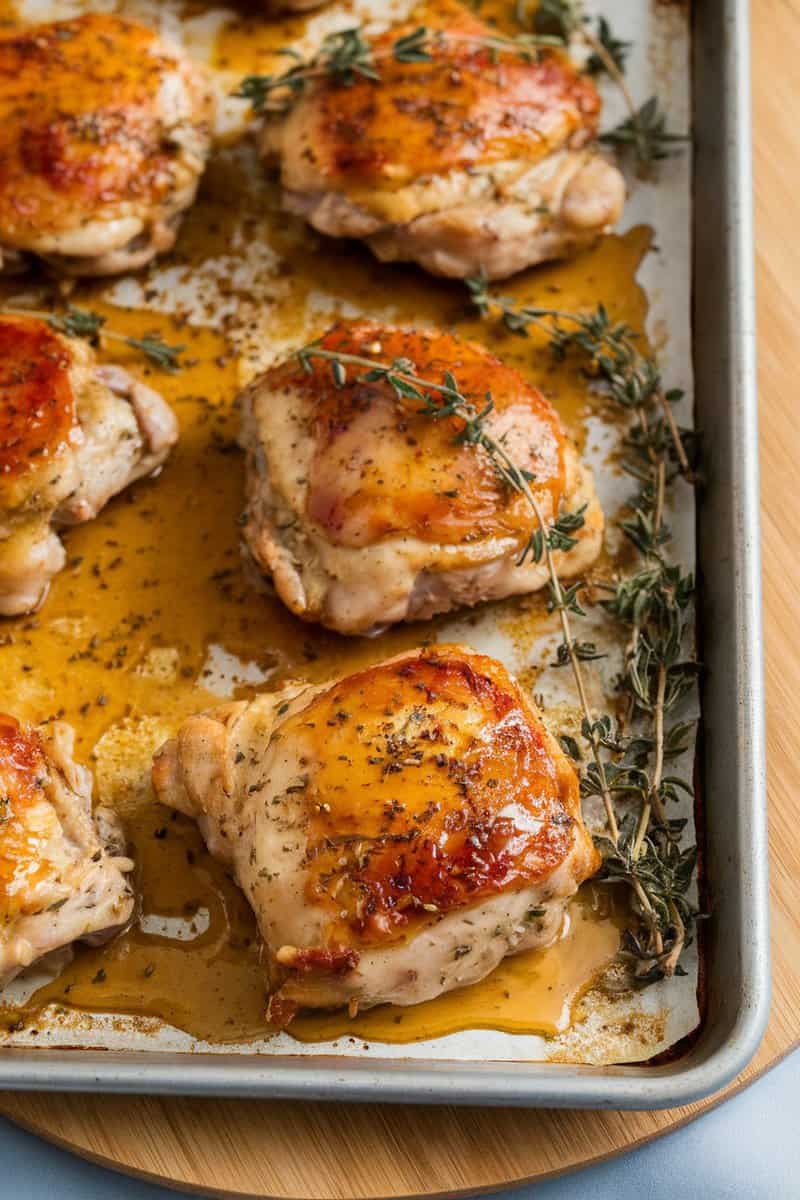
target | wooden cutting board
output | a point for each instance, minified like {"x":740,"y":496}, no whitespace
{"x":310,"y":1151}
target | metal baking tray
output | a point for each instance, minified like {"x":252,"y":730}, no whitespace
{"x":731,"y":747}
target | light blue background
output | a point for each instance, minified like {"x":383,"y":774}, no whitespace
{"x":748,"y":1149}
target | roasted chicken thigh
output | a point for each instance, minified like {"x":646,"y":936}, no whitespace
{"x":397,"y":832}
{"x":72,"y":435}
{"x":104,"y":133}
{"x":479,"y":159}
{"x":62,"y":868}
{"x":365,"y":511}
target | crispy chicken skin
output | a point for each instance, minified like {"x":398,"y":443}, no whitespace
{"x":72,"y":435}
{"x":365,"y":512}
{"x":397,"y":832}
{"x":62,"y":869}
{"x":104,"y":133}
{"x":473,"y":161}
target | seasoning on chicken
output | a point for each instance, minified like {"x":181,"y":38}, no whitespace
{"x":104,"y":134}
{"x":397,"y":832}
{"x":365,"y":511}
{"x":62,"y":868}
{"x":480,"y":159}
{"x":72,"y":435}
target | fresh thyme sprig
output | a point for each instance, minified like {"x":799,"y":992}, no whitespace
{"x":653,"y":603}
{"x":347,"y":55}
{"x":91,"y":327}
{"x":644,"y":133}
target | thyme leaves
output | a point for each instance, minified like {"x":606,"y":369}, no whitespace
{"x":616,"y":49}
{"x":645,"y":134}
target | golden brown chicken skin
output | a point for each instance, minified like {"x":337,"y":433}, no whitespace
{"x":62,"y":868}
{"x":398,"y":832}
{"x":466,"y":108}
{"x":37,"y":414}
{"x":104,"y":133}
{"x":72,"y":435}
{"x":475,"y":160}
{"x":365,"y":511}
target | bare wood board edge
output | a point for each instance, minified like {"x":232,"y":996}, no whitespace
{"x":15,"y":1108}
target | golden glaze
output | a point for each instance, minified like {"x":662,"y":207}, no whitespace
{"x":80,"y":130}
{"x":468,"y":107}
{"x":159,"y":573}
{"x":26,"y":818}
{"x":37,"y":405}
{"x":381,"y":468}
{"x":437,"y":786}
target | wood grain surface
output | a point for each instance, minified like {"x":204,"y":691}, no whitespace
{"x":244,"y":1148}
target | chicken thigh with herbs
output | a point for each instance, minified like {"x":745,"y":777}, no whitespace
{"x":62,"y":868}
{"x":104,"y":134}
{"x":479,"y":159}
{"x":72,"y":435}
{"x":366,"y":511}
{"x":397,"y":832}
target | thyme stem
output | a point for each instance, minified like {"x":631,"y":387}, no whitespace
{"x":677,"y":440}
{"x":90,"y":326}
{"x":611,"y":68}
{"x":357,"y":360}
{"x":347,"y":55}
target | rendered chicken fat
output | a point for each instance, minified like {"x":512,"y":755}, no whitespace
{"x":397,"y":832}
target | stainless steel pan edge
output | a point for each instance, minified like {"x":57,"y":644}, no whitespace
{"x":733,"y":760}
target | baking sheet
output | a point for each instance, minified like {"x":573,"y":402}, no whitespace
{"x":245,"y":290}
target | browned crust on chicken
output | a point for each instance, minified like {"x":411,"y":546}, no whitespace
{"x":104,"y":133}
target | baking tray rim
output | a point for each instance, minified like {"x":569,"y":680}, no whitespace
{"x":702,"y":1070}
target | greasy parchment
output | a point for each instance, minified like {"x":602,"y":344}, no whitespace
{"x":244,"y":288}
